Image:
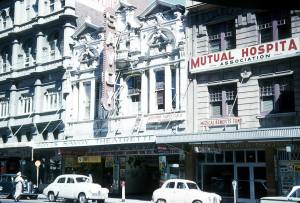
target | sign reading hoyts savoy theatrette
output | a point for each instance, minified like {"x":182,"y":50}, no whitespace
{"x":263,"y":52}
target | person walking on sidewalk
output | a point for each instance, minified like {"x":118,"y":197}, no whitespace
{"x":19,"y":181}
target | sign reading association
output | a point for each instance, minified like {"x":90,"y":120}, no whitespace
{"x":247,"y":55}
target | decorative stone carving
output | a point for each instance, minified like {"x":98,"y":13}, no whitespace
{"x":159,"y":40}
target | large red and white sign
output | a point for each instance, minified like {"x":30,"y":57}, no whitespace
{"x":253,"y":54}
{"x":221,"y":121}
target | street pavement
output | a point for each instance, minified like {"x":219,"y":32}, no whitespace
{"x":42,"y":199}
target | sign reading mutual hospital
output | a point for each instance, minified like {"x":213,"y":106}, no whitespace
{"x":263,"y":52}
{"x":109,"y":70}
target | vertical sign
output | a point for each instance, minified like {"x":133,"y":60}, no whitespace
{"x":109,"y":69}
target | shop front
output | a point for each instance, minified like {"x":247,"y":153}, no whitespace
{"x":143,"y":165}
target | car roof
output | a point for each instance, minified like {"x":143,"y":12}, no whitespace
{"x":72,"y":175}
{"x":181,"y":180}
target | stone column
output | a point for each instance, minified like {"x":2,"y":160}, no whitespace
{"x":67,"y":40}
{"x":38,"y":96}
{"x":75,"y":97}
{"x":40,"y":56}
{"x":168,"y":89}
{"x":123,"y":101}
{"x":13,"y":102}
{"x":18,"y":13}
{"x":183,"y":78}
{"x":15,"y":52}
{"x":177,"y":99}
{"x":144,"y":93}
{"x":152,"y":93}
{"x":92,"y":110}
{"x":41,"y":7}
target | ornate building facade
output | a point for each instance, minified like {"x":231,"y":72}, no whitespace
{"x":243,"y":108}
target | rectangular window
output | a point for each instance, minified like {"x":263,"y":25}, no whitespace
{"x":4,"y":107}
{"x":134,"y":88}
{"x":223,"y":101}
{"x":87,"y":99}
{"x":25,"y":104}
{"x":273,"y":26}
{"x":160,"y":89}
{"x":277,"y":95}
{"x":4,"y":62}
{"x":221,"y":36}
{"x":173,"y":88}
{"x":52,"y":6}
{"x":52,"y":100}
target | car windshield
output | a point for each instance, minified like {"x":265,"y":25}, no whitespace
{"x":192,"y":186}
{"x":82,"y":180}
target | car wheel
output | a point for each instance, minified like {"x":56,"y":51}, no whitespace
{"x":51,"y":197}
{"x":161,"y":201}
{"x":82,"y":198}
{"x":197,"y":201}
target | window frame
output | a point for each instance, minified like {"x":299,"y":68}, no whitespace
{"x":25,"y":104}
{"x":4,"y":107}
{"x":52,"y":95}
{"x":219,"y":94}
{"x":222,"y":33}
{"x":276,"y":84}
{"x":273,"y":22}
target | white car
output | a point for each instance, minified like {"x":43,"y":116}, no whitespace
{"x":183,"y":191}
{"x":293,"y":196}
{"x":80,"y":187}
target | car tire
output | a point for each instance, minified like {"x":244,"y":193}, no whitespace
{"x":197,"y":201}
{"x":51,"y":197}
{"x":82,"y":198}
{"x":161,"y":201}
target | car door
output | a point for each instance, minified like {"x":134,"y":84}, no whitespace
{"x":168,"y":192}
{"x":181,"y":192}
{"x":70,"y":188}
{"x":57,"y":187}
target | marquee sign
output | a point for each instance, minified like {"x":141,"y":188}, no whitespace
{"x":247,"y":55}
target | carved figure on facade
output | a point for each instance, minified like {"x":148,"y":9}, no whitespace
{"x":88,"y":57}
{"x":159,"y":41}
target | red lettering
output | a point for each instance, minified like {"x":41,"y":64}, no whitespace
{"x":282,"y":44}
{"x":245,"y":52}
{"x":292,"y":45}
{"x":194,"y":64}
{"x":229,"y":55}
{"x":253,"y":51}
{"x":269,"y":47}
{"x":216,"y":57}
{"x":209,"y":58}
{"x":261,"y":49}
{"x":203,"y":60}
{"x":224,"y":57}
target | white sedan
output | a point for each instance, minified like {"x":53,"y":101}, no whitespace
{"x":71,"y":186}
{"x":183,"y":191}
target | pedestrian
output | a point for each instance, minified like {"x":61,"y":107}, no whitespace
{"x":19,"y":181}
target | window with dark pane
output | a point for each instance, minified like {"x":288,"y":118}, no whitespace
{"x":223,"y":101}
{"x":160,"y":89}
{"x":277,"y":95}
{"x":134,"y":88}
{"x":221,"y":36}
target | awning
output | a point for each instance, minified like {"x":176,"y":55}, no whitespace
{"x":265,"y":134}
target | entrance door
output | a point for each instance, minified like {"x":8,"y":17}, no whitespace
{"x":251,"y":183}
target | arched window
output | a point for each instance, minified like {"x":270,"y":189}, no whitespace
{"x":54,"y":45}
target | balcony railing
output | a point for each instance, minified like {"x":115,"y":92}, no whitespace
{"x":122,"y":55}
{"x":134,"y":91}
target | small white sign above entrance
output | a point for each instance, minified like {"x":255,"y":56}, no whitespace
{"x":163,"y":118}
{"x":236,"y":57}
{"x":221,"y":121}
